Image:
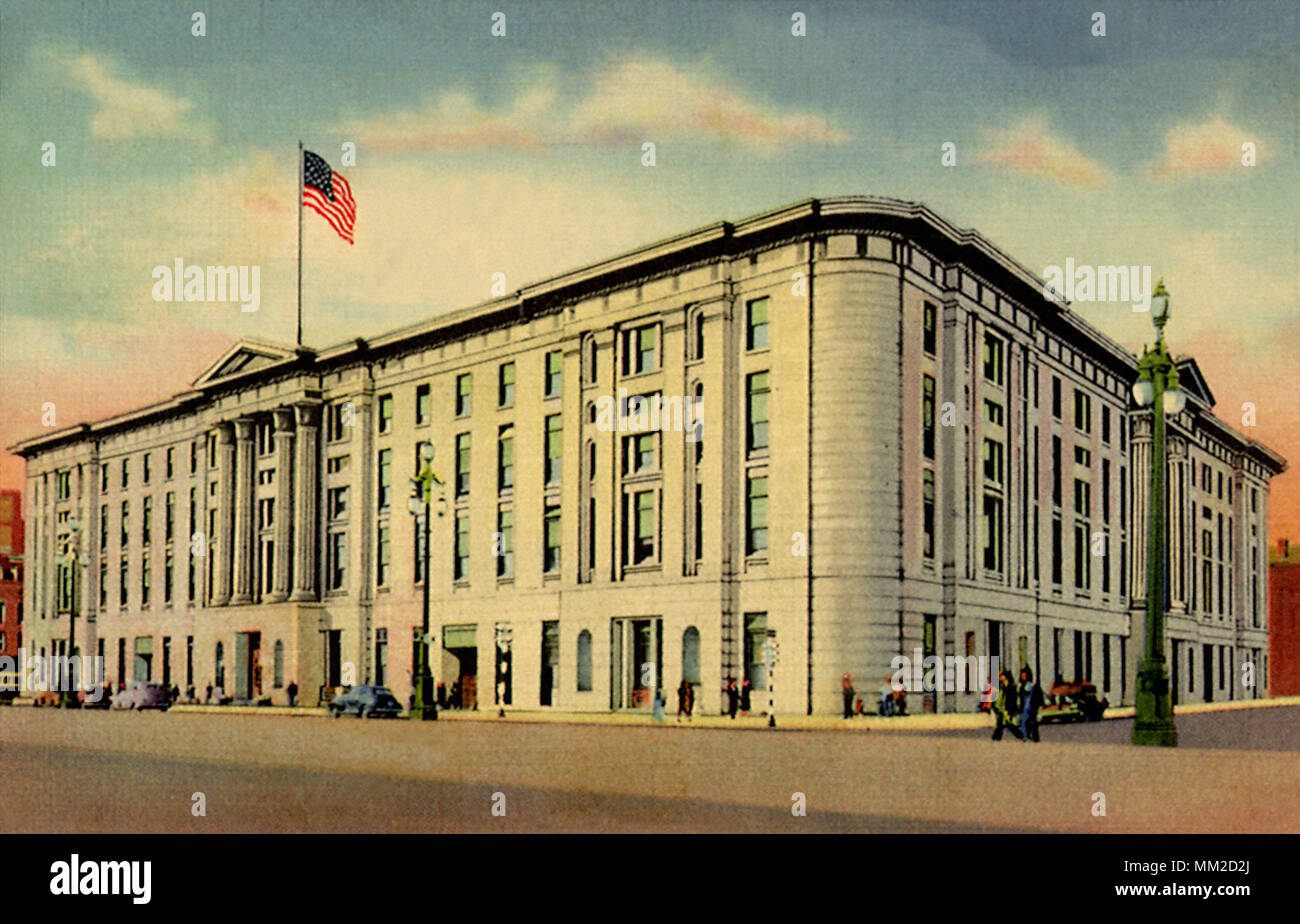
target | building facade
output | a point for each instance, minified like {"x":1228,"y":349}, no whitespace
{"x":841,"y":432}
{"x":11,"y":573}
{"x":1284,"y":620}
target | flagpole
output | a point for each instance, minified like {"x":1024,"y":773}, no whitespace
{"x":299,"y":195}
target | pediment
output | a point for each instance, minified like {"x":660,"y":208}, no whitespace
{"x":244,"y":357}
{"x":1192,"y":381}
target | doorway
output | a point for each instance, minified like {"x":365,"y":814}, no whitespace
{"x":1207,"y":672}
{"x":248,"y":664}
{"x":460,"y":642}
{"x":636,"y":662}
{"x":550,"y":679}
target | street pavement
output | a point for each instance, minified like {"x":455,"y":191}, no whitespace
{"x":90,"y":772}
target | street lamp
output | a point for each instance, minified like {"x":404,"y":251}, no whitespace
{"x":72,"y":555}
{"x":1156,"y":388}
{"x":425,"y":706}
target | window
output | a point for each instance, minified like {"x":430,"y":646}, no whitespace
{"x":1056,"y":398}
{"x":460,"y":561}
{"x":756,"y":328}
{"x":103,"y":476}
{"x":1105,"y":490}
{"x":336,"y":464}
{"x":993,"y":461}
{"x":643,"y":527}
{"x":1082,"y":497}
{"x":928,"y":322}
{"x":169,"y":570}
{"x":756,"y":390}
{"x":554,"y":373}
{"x":146,"y":521}
{"x":121,"y":583}
{"x":697,"y":335}
{"x":505,"y":543}
{"x":554,"y":444}
{"x":62,"y":484}
{"x":1082,"y":411}
{"x":756,"y":516}
{"x":992,"y":533}
{"x":335,"y":421}
{"x":1105,"y":423}
{"x":1056,"y":550}
{"x":993,"y":371}
{"x":639,"y":344}
{"x":1082,"y":456}
{"x":421,"y":404}
{"x":385,"y":478}
{"x":993,"y":412}
{"x":278,"y":667}
{"x":103,"y":584}
{"x":220,"y":665}
{"x":265,"y":439}
{"x":103,"y":527}
{"x":584,"y":661}
{"x":1056,"y":470}
{"x":589,"y":359}
{"x":1082,"y":557}
{"x":148,"y":467}
{"x":336,"y":503}
{"x":506,"y":385}
{"x":145,"y":581}
{"x":639,"y":453}
{"x":123,"y":526}
{"x":383,"y":555}
{"x":927,"y":416}
{"x":505,"y":458}
{"x":551,"y":534}
{"x":194,"y":460}
{"x":385,"y":413}
{"x":381,"y":657}
{"x":464,"y":394}
{"x":462,"y":464}
{"x":169,"y":516}
{"x":171,"y":462}
{"x":336,"y":560}
{"x":927,"y":513}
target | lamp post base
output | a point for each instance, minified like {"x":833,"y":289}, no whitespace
{"x":1153,"y":725}
{"x":425,"y":708}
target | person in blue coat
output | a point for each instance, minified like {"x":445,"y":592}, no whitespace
{"x":1031,"y":699}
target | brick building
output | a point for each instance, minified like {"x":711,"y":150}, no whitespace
{"x":1284,"y":620}
{"x":11,"y":573}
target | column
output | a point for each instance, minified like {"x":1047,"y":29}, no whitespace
{"x":283,"y":503}
{"x":305,"y":481}
{"x":225,"y":521}
{"x":243,"y":546}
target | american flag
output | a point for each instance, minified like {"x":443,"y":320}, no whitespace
{"x":329,"y":194}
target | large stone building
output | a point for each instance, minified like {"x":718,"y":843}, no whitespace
{"x":903,"y":445}
{"x":11,"y":573}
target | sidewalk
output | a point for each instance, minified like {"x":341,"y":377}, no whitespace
{"x":947,"y":721}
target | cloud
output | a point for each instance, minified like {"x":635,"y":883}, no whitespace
{"x":1030,"y":147}
{"x":1205,"y":147}
{"x":131,"y":110}
{"x":641,"y":97}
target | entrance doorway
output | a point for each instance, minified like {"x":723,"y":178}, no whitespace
{"x":248,"y":665}
{"x":1207,"y":672}
{"x":461,"y":644}
{"x":636,"y":662}
{"x":550,"y":679}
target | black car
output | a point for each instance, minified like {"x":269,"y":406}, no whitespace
{"x":366,"y":702}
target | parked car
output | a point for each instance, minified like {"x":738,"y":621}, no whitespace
{"x":97,"y":698}
{"x":143,"y":695}
{"x":366,"y":702}
{"x":1073,"y":702}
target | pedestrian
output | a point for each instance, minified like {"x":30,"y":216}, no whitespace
{"x":292,"y":690}
{"x":442,"y":695}
{"x":174,"y":693}
{"x":189,"y":693}
{"x":659,"y":705}
{"x":683,"y":693}
{"x":1005,"y":711}
{"x":745,"y":687}
{"x":847,"y":688}
{"x":690,"y":700}
{"x":1031,"y":700}
{"x":887,"y":696}
{"x":208,"y":698}
{"x":733,"y":697}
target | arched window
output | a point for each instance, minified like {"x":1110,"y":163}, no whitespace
{"x":221,"y":666}
{"x":279,"y":664}
{"x":697,"y":334}
{"x":691,"y":655}
{"x":584,"y":661}
{"x":591,"y":412}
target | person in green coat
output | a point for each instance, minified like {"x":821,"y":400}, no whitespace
{"x":1006,"y":707}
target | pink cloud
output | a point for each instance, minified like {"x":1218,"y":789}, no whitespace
{"x":1030,"y":147}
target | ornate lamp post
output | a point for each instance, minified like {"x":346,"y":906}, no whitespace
{"x":1156,"y":388}
{"x":425,"y":706}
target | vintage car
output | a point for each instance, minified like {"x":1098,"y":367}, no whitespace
{"x":1072,"y":702}
{"x":143,"y":695}
{"x":365,"y":702}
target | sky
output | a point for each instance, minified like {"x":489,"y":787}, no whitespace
{"x":522,"y":154}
